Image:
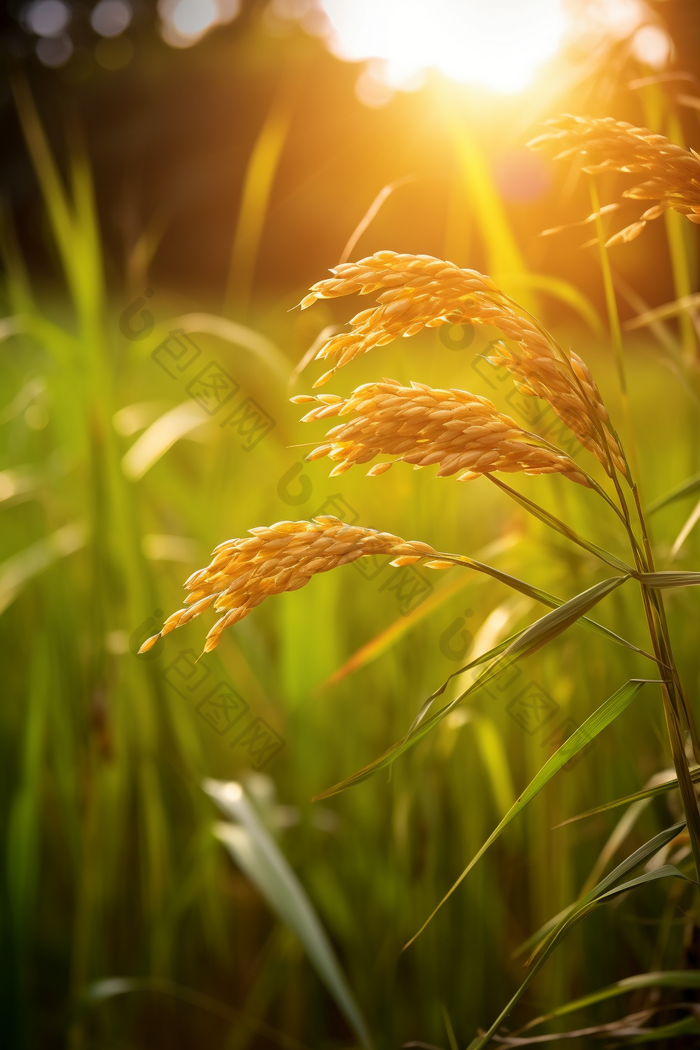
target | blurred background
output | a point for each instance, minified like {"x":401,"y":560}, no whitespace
{"x":173,"y":178}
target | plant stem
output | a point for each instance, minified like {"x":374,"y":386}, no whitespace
{"x":674,"y":699}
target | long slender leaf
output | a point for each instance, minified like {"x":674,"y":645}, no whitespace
{"x":391,"y":634}
{"x":579,"y":739}
{"x":686,"y":488}
{"x":658,"y":979}
{"x":523,"y":644}
{"x":660,"y":313}
{"x":560,"y":289}
{"x":374,"y":648}
{"x":662,"y":580}
{"x":267,"y":352}
{"x":256,"y":852}
{"x":173,"y":425}
{"x":22,"y":567}
{"x":639,"y":856}
{"x":255,"y":198}
{"x":583,"y":908}
{"x":627,"y":1028}
{"x":686,"y":1026}
{"x":648,"y":792}
{"x":559,"y":526}
{"x":546,"y":629}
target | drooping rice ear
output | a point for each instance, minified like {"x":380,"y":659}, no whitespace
{"x":453,"y":429}
{"x":278,"y":558}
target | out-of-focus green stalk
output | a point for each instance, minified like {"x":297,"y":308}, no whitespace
{"x":679,"y":250}
{"x":504,"y":258}
{"x":257,"y":188}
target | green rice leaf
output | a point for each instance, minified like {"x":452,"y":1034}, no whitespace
{"x":659,"y":979}
{"x":559,"y":526}
{"x":521,"y":645}
{"x":560,"y":289}
{"x":551,"y":625}
{"x":637,"y":796}
{"x":686,"y":488}
{"x":579,"y":739}
{"x":259,"y":856}
{"x":639,"y":856}
{"x":168,"y":429}
{"x":24,"y":566}
{"x":583,"y":908}
{"x":267,"y":353}
{"x":662,"y":580}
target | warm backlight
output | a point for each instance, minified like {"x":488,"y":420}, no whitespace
{"x":497,"y":43}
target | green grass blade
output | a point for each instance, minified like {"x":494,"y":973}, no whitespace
{"x":23,"y":861}
{"x":265,"y":350}
{"x":559,"y":526}
{"x":390,"y":635}
{"x":550,"y":626}
{"x":523,"y":644}
{"x":637,"y":796}
{"x":609,"y":288}
{"x":257,"y":187}
{"x":254,"y":850}
{"x":24,"y":566}
{"x":688,"y":526}
{"x":495,"y":759}
{"x":660,"y":979}
{"x":661,"y":313}
{"x":502,"y":252}
{"x":662,"y":580}
{"x":581,"y":911}
{"x":52,"y":186}
{"x":680,"y":247}
{"x":686,"y":488}
{"x":686,"y":1026}
{"x":579,"y":739}
{"x":639,"y":856}
{"x":160,"y":436}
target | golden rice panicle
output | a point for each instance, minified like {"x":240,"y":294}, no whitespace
{"x":414,"y":292}
{"x":417,"y":291}
{"x":673,"y":173}
{"x":454,"y":429}
{"x":277,"y":558}
{"x":577,"y":402}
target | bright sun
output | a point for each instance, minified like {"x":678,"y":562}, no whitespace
{"x":497,"y":43}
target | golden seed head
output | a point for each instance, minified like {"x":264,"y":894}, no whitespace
{"x":277,"y":558}
{"x":418,"y":291}
{"x":673,"y":173}
{"x":456,"y":430}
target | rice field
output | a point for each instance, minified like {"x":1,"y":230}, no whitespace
{"x":305,"y":756}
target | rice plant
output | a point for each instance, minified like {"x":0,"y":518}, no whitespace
{"x":459,"y":431}
{"x":125,"y":921}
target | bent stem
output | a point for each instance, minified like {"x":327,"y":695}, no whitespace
{"x":674,"y":698}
